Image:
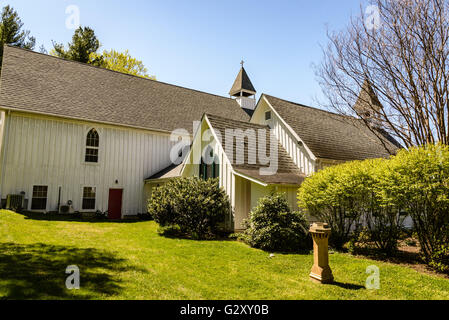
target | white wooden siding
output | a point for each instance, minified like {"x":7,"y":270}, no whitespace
{"x":291,"y":194}
{"x":227,"y":179}
{"x":2,"y":131}
{"x":49,"y":151}
{"x":243,"y":193}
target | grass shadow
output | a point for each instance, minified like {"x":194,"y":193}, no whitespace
{"x":347,"y":286}
{"x":72,"y":218}
{"x":37,"y":271}
{"x":175,"y":233}
{"x":397,"y":257}
{"x":413,"y":260}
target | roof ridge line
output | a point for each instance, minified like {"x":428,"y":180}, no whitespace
{"x":117,"y":72}
{"x":228,"y":119}
{"x":309,"y":107}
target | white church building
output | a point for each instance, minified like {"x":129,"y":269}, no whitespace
{"x":74,"y":137}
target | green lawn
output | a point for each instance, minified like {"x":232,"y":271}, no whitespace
{"x":131,"y":261}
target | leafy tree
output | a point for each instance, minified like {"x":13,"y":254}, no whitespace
{"x":11,"y":32}
{"x":83,"y":47}
{"x":122,"y":62}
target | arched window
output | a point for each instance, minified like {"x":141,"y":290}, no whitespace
{"x":211,"y":170}
{"x":92,"y":146}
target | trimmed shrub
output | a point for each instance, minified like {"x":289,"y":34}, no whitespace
{"x":348,"y":197}
{"x":337,"y":195}
{"x":195,"y":207}
{"x":418,"y":182}
{"x":273,"y":226}
{"x":383,"y":219}
{"x":369,"y":196}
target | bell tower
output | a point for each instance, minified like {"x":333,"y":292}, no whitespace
{"x":243,"y":91}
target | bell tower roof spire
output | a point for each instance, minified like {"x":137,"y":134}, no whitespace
{"x":242,"y":86}
{"x":367,"y":102}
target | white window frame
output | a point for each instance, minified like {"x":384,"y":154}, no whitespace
{"x":82,"y":199}
{"x":86,"y":147}
{"x":32,"y":196}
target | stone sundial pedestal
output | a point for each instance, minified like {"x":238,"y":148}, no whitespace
{"x":321,"y":271}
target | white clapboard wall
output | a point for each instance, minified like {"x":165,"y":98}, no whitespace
{"x":39,"y":150}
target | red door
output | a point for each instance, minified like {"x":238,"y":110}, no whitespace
{"x":115,"y":204}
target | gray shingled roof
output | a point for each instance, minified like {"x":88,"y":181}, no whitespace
{"x":332,"y":136}
{"x":287,"y":173}
{"x":242,"y":83}
{"x":40,"y":83}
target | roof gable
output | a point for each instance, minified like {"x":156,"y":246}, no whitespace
{"x":287,"y":172}
{"x":332,"y":136}
{"x":39,"y":83}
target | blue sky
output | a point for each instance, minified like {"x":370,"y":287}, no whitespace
{"x":199,"y":44}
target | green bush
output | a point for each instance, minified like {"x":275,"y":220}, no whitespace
{"x":370,"y":195}
{"x":195,"y":207}
{"x":349,"y":199}
{"x":439,"y":258}
{"x":418,"y":182}
{"x":383,"y":219}
{"x":337,"y":195}
{"x":272,"y":226}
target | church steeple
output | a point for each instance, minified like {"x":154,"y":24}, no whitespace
{"x":244,"y":92}
{"x":367,"y":102}
{"x":368,"y":105}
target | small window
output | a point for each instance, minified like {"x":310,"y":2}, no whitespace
{"x":92,"y":146}
{"x":39,"y":200}
{"x":89,"y":198}
{"x":267,"y":115}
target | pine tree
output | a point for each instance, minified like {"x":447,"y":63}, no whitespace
{"x":11,"y":32}
{"x":84,"y":44}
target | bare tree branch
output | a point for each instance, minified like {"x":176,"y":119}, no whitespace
{"x":394,"y":76}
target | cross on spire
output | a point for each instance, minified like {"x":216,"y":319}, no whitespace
{"x":242,"y":63}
